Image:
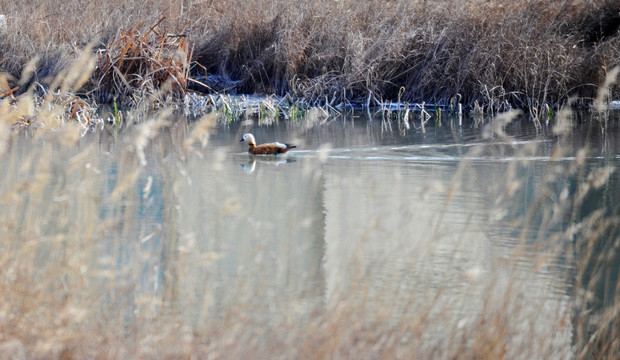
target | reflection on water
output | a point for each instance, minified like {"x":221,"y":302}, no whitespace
{"x":395,"y":223}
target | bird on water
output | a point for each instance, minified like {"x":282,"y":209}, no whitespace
{"x":265,"y":149}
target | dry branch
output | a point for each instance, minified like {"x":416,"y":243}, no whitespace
{"x":136,"y":64}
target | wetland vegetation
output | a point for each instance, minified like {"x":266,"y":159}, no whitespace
{"x":500,"y":54}
{"x":133,"y":225}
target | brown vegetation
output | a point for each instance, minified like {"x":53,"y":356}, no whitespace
{"x":140,"y":65}
{"x":60,"y":298}
{"x":66,"y":223}
{"x":518,"y":53}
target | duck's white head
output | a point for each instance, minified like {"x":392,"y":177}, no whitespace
{"x":249,"y":138}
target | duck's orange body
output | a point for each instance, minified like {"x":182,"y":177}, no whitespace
{"x":265,"y":149}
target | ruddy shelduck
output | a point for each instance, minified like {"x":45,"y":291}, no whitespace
{"x":265,"y":149}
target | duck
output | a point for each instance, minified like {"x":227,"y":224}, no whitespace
{"x":274,"y":148}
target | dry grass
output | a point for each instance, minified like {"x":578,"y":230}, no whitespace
{"x":66,"y":293}
{"x":523,"y":54}
{"x":136,"y":66}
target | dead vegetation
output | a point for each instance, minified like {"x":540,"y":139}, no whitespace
{"x":51,"y":267}
{"x":135,"y":66}
{"x":66,"y":293}
{"x":63,"y":295}
{"x":520,"y":54}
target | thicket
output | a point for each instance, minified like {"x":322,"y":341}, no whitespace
{"x":499,"y":53}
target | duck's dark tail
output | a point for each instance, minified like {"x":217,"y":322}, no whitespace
{"x":287,"y":148}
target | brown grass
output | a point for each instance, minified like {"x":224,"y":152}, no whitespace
{"x":502,"y":54}
{"x":63,"y":226}
{"x":139,"y":66}
{"x":64,"y":295}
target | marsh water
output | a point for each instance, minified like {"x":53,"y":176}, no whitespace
{"x":391,"y":221}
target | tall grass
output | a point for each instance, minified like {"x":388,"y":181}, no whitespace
{"x":71,"y":199}
{"x":524,"y":54}
{"x":74,"y":249}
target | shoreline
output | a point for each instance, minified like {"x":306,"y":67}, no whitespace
{"x":521,"y":55}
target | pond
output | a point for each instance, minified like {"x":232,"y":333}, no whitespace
{"x":369,"y":236}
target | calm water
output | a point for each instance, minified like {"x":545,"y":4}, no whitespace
{"x":362,"y":212}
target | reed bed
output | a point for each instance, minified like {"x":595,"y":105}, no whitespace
{"x":136,"y":66}
{"x":67,"y":225}
{"x":65,"y":228}
{"x":67,"y":293}
{"x":520,"y":54}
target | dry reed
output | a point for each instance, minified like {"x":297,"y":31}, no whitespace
{"x":64,"y":228}
{"x":65,"y":295}
{"x":523,"y":54}
{"x":136,"y":66}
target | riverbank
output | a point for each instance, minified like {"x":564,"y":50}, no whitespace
{"x":166,"y":240}
{"x":525,"y":54}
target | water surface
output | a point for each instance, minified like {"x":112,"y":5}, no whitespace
{"x":445,"y":226}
